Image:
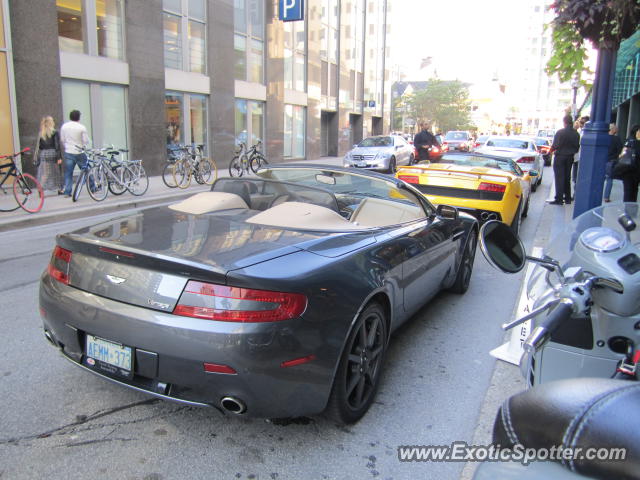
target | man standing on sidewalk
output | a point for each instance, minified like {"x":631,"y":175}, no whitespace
{"x":73,"y":136}
{"x":566,"y":144}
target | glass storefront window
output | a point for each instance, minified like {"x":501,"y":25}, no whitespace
{"x":172,"y":5}
{"x":294,"y":56}
{"x":198,"y":114}
{"x":70,"y":26}
{"x":77,"y":96}
{"x":103,"y":110}
{"x":249,"y":121}
{"x":196,"y":47}
{"x":239,"y":16}
{"x":294,"y":131}
{"x":257,"y":18}
{"x":114,"y":116}
{"x":109,"y":28}
{"x":186,"y":118}
{"x":173,"y":118}
{"x":172,"y":41}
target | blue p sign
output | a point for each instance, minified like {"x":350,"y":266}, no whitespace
{"x":291,"y":10}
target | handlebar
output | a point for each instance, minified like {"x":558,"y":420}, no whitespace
{"x":14,"y":155}
{"x":544,"y":329}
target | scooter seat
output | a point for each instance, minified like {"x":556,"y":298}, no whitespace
{"x":587,"y":413}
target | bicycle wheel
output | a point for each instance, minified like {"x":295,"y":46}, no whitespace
{"x":77,"y":189}
{"x":235,"y":167}
{"x":256,"y":162}
{"x":167,"y":175}
{"x":7,"y":199}
{"x":117,"y":185}
{"x":202,"y":172}
{"x":98,"y":186}
{"x":182,"y":174}
{"x":213,"y":169}
{"x":139,"y":181}
{"x":28,"y":192}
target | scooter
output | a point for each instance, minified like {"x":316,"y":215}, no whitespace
{"x":585,"y":297}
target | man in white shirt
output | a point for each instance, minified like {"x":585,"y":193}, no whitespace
{"x":73,"y":135}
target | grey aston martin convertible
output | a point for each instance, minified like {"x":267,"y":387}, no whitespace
{"x":272,"y":296}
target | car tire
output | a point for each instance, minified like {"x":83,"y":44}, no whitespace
{"x":412,"y":159}
{"x":534,"y":186}
{"x":525,"y":211}
{"x":392,"y":165}
{"x":358,"y":374}
{"x":517,"y":219}
{"x":463,"y":277}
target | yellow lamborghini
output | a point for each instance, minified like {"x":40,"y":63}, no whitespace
{"x":486,"y":186}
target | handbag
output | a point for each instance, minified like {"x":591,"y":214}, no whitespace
{"x":625,"y":164}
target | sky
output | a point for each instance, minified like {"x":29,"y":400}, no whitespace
{"x":468,"y":40}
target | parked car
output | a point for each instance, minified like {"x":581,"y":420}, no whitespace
{"x":458,"y":140}
{"x":382,"y":153}
{"x":480,"y":141}
{"x":522,"y":150}
{"x":488,"y":187}
{"x":546,"y":132}
{"x":544,"y":147}
{"x":271,"y":296}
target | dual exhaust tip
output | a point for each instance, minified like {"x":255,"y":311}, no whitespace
{"x":233,"y":405}
{"x":485,"y":216}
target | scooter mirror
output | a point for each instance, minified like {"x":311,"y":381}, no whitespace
{"x":501,"y":247}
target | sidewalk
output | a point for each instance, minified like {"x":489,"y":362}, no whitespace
{"x":58,"y":208}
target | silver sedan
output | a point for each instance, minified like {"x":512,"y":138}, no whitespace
{"x":382,"y":152}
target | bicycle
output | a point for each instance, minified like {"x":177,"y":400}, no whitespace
{"x":245,"y":160}
{"x":27,"y":191}
{"x":174,"y":154}
{"x":192,"y":163}
{"x":108,"y":174}
{"x":84,"y":170}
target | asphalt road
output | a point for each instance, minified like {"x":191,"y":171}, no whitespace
{"x":61,"y":422}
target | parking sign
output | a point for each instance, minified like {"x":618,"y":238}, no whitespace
{"x":291,"y":10}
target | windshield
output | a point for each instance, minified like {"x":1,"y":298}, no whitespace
{"x":457,"y":136}
{"x":471,"y":160}
{"x":542,"y":141}
{"x":376,"y":142}
{"x":344,"y":183}
{"x":507,"y":143}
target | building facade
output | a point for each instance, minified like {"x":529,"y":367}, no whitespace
{"x":543,"y":99}
{"x":148,"y":73}
{"x":626,"y":86}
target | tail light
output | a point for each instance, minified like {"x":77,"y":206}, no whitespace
{"x":409,"y":178}
{"x":526,"y":160}
{"x":492,"y":187}
{"x":59,"y":265}
{"x":232,"y":304}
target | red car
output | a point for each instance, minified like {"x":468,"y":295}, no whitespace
{"x":436,"y":151}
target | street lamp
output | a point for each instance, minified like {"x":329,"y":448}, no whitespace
{"x":575,"y":84}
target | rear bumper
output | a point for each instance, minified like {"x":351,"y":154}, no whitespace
{"x":169,"y":352}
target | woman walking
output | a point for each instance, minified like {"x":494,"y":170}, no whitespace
{"x":48,"y":156}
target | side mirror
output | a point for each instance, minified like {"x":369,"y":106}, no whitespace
{"x":533,"y":173}
{"x":447,"y":211}
{"x":501,"y":247}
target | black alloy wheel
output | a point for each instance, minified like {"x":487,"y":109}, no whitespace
{"x":463,"y":278}
{"x":358,"y":374}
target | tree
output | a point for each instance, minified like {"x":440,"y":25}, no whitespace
{"x":445,"y":103}
{"x":604,"y":22}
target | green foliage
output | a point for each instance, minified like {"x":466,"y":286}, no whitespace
{"x":444,"y":103}
{"x":604,"y":22}
{"x":569,"y":54}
